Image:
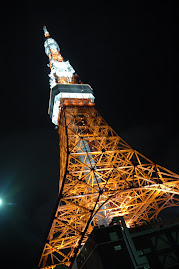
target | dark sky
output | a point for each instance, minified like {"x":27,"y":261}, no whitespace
{"x":128,"y":53}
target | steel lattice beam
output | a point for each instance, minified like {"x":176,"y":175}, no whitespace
{"x":101,"y":177}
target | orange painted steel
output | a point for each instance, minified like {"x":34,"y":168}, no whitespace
{"x":101,"y":177}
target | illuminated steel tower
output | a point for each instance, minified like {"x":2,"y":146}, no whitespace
{"x":101,"y":176}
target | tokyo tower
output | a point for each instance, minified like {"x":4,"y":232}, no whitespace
{"x":101,"y":176}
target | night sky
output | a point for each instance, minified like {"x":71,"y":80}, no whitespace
{"x":128,"y":53}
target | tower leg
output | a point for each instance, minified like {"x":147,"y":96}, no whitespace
{"x":101,"y":177}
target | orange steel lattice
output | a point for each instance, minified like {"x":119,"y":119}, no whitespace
{"x":101,"y":177}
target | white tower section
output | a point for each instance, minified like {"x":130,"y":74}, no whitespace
{"x":61,"y":71}
{"x":62,"y":81}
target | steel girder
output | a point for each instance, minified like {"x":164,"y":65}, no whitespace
{"x":101,"y":177}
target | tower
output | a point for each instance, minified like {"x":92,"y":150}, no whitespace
{"x":101,"y":176}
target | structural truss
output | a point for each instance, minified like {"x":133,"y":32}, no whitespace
{"x":101,"y":177}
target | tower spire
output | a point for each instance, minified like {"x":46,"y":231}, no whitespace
{"x":46,"y":33}
{"x":61,"y":71}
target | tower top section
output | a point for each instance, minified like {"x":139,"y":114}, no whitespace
{"x":66,"y":88}
{"x":61,"y":71}
{"x":46,"y":33}
{"x":50,"y":45}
